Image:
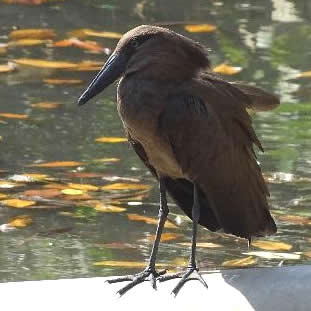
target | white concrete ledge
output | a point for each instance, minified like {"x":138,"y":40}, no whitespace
{"x":260,"y":289}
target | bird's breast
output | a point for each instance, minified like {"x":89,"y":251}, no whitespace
{"x":140,"y":106}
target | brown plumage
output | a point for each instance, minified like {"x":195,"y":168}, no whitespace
{"x":192,"y":130}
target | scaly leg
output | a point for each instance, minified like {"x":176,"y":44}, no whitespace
{"x":192,"y":269}
{"x":150,"y":272}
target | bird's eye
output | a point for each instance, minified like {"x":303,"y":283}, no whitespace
{"x":135,"y":43}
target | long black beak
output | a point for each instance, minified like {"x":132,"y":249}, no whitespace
{"x":111,"y":71}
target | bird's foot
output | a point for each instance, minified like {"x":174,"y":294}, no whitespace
{"x":149,"y":274}
{"x":192,"y":273}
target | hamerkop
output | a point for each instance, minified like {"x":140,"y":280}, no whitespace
{"x":192,"y":131}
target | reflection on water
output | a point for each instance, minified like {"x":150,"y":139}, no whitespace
{"x":270,"y":40}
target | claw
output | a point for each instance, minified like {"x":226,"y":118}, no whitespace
{"x":190,"y":274}
{"x":148,"y":274}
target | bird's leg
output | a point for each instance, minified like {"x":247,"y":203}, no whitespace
{"x":192,"y":269}
{"x":150,"y":272}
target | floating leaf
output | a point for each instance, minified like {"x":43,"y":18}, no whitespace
{"x":104,"y":160}
{"x":88,"y":66}
{"x":46,"y":105}
{"x":14,"y":116}
{"x":124,"y":186}
{"x":274,"y":255}
{"x":149,"y":220}
{"x":306,"y":74}
{"x":29,"y":2}
{"x":27,"y":42}
{"x":86,"y":45}
{"x":32,"y":34}
{"x":200,"y":28}
{"x":226,"y":69}
{"x":241,"y":262}
{"x":111,"y":139}
{"x":18,"y":203}
{"x":8,"y":185}
{"x":20,"y":221}
{"x":3,"y":196}
{"x":126,"y":264}
{"x":108,"y":208}
{"x":42,"y":193}
{"x":81,"y":33}
{"x":72,"y":191}
{"x":272,"y":245}
{"x":45,"y":63}
{"x":58,"y":164}
{"x":167,"y":236}
{"x":62,"y":81}
{"x":308,"y":254}
{"x":85,"y":187}
{"x":28,"y":177}
{"x":295,"y":219}
{"x":8,"y":67}
{"x":202,"y":244}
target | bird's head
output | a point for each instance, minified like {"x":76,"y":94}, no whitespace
{"x":153,"y":52}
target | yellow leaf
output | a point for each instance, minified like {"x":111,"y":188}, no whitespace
{"x":8,"y":67}
{"x":272,"y":245}
{"x":20,"y":221}
{"x":241,"y":262}
{"x":46,"y":105}
{"x":306,"y":74}
{"x":32,"y":34}
{"x":72,"y":191}
{"x":89,"y":66}
{"x":226,"y":69}
{"x":308,"y":254}
{"x":167,"y":236}
{"x":62,"y":81}
{"x":202,"y":244}
{"x":149,"y":220}
{"x":14,"y":116}
{"x":126,"y":264}
{"x":111,"y":139}
{"x":200,"y":28}
{"x":81,"y":33}
{"x":107,"y":208}
{"x":30,"y":177}
{"x":104,"y":160}
{"x":58,"y":164}
{"x":27,"y":42}
{"x":18,"y":203}
{"x":3,"y":196}
{"x":85,"y":187}
{"x":124,"y":186}
{"x":45,"y":63}
{"x":8,"y":185}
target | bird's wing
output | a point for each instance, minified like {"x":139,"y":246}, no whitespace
{"x":260,"y":99}
{"x":181,"y":191}
{"x":212,"y":139}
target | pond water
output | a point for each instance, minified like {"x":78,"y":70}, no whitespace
{"x":74,"y":231}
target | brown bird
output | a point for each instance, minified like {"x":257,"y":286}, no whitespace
{"x":192,"y":131}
